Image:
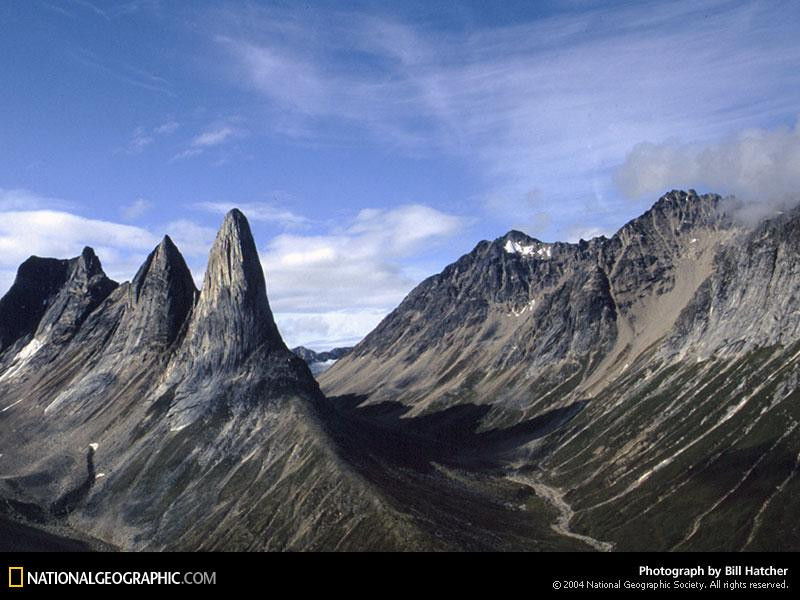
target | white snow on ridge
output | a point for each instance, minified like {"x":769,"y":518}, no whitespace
{"x":29,"y":350}
{"x":540,"y":250}
{"x":22,"y":357}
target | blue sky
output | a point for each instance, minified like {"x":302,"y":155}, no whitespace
{"x":371,"y":144}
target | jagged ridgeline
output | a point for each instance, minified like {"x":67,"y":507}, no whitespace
{"x":661,"y":365}
{"x":151,"y":415}
{"x":637,"y":392}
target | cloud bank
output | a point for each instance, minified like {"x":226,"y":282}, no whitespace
{"x":761,"y":167}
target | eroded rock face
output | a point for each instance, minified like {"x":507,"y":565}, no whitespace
{"x":233,"y":316}
{"x":517,"y":314}
{"x":153,"y":416}
{"x":38,"y":281}
{"x":160,"y":299}
{"x":670,"y":352}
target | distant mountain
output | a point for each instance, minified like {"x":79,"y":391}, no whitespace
{"x":661,"y":364}
{"x":319,"y":362}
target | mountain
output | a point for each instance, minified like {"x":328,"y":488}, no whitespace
{"x":655,"y":374}
{"x":319,"y":362}
{"x":150,"y":415}
{"x":637,"y":392}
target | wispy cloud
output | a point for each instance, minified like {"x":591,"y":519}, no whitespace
{"x":124,"y":72}
{"x":216,"y":135}
{"x":167,"y":127}
{"x":109,"y":13}
{"x":213,"y":137}
{"x":143,"y":137}
{"x":136,"y":209}
{"x":139,"y":141}
{"x":22,"y":199}
{"x":548,"y":106}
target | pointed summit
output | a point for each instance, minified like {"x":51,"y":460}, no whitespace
{"x":86,"y":286}
{"x":234,"y":262}
{"x":232,"y":316}
{"x":161,"y":297}
{"x":37,"y":283}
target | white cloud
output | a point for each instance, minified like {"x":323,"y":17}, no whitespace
{"x":550,"y":105}
{"x":143,"y":137}
{"x":329,"y":290}
{"x":401,"y":230}
{"x":580,"y":232}
{"x":761,"y":167}
{"x":22,"y":199}
{"x":193,"y":239}
{"x":323,"y":331}
{"x":258,"y":211}
{"x":167,"y":128}
{"x":360,"y":265}
{"x":121,"y":248}
{"x":136,"y":209}
{"x":139,"y":141}
{"x":31,"y":224}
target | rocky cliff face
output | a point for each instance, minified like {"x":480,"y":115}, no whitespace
{"x":633,"y":393}
{"x":663,"y":361}
{"x":517,"y":315}
{"x":153,"y":416}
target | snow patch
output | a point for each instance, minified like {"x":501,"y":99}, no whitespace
{"x":179,"y":427}
{"x":22,"y":357}
{"x":540,"y":250}
{"x":94,"y":446}
{"x":99,"y":475}
{"x":519,"y":313}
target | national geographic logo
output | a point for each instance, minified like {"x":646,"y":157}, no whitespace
{"x":16,"y":577}
{"x":19,"y":576}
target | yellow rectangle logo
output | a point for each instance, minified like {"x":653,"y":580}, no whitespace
{"x":14,"y":580}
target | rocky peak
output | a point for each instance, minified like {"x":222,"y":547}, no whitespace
{"x":164,"y":260}
{"x":84,"y":289}
{"x":38,"y":281}
{"x":232,"y":316}
{"x":161,"y":296}
{"x":678,"y":212}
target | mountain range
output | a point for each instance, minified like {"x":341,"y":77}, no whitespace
{"x":637,"y":392}
{"x":320,"y":361}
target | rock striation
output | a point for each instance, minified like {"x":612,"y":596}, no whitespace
{"x":664,"y":358}
{"x":151,"y":415}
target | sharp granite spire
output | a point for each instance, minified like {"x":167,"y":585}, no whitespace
{"x":160,"y":298}
{"x":232,"y":317}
